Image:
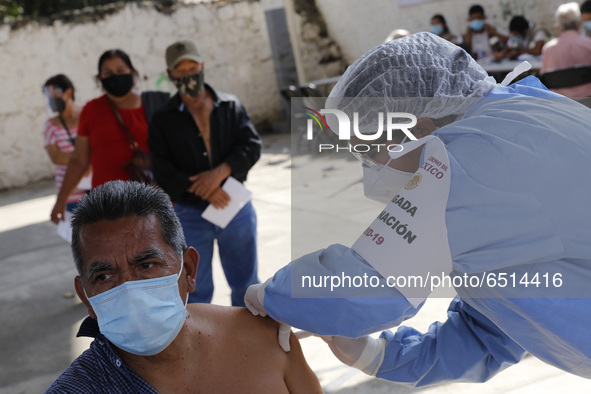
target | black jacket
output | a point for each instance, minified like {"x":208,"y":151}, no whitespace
{"x":177,"y":150}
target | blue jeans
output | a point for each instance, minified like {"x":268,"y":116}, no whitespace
{"x":236,"y":244}
{"x":71,"y":206}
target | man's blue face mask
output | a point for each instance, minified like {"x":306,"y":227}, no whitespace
{"x":437,"y":29}
{"x":477,"y":24}
{"x":141,"y":317}
{"x":517,"y":40}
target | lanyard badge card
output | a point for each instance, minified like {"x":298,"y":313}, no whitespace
{"x":407,"y":243}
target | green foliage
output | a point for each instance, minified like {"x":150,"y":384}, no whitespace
{"x":44,"y":8}
{"x":10,"y":8}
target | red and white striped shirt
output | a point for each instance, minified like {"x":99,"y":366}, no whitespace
{"x":57,"y":135}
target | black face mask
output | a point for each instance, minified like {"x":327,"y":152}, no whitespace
{"x":118,"y":85}
{"x":191,"y":85}
{"x":57,"y":104}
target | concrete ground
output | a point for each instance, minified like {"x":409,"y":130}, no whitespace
{"x":302,"y":204}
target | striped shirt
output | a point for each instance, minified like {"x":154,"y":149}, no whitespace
{"x":99,"y":370}
{"x":57,"y":135}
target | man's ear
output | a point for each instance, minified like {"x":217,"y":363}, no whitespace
{"x":191,"y":262}
{"x":82,"y":296}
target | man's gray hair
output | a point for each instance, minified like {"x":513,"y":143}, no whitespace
{"x":120,"y":199}
{"x":568,"y":16}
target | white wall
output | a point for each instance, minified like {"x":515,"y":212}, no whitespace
{"x":359,"y":25}
{"x":232,"y":36}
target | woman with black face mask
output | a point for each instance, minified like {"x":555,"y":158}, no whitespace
{"x":104,"y":124}
{"x":60,"y":132}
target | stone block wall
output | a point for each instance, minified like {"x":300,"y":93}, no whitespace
{"x":319,"y":52}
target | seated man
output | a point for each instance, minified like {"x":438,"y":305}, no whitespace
{"x":478,"y":34}
{"x":135,"y":274}
{"x":568,"y":50}
{"x":524,"y":38}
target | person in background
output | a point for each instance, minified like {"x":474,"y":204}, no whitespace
{"x":396,"y":34}
{"x":439,"y":28}
{"x":524,"y":38}
{"x":586,"y":18}
{"x":102,"y":141}
{"x":569,"y":49}
{"x":479,"y":32}
{"x":60,"y":132}
{"x":199,"y":139}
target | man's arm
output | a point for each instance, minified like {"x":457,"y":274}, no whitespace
{"x":246,"y":150}
{"x":492,"y":31}
{"x":269,"y":369}
{"x":468,"y":40}
{"x":207,"y":185}
{"x":172,"y":179}
{"x":299,"y":377}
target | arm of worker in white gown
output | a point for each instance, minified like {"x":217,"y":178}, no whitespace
{"x":335,"y":292}
{"x":467,"y":347}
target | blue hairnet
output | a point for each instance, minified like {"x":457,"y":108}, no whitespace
{"x":429,"y":77}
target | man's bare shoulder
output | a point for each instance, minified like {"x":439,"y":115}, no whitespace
{"x":238,"y":335}
{"x":238,"y":323}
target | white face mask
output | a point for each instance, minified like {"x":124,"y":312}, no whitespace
{"x":382,"y":184}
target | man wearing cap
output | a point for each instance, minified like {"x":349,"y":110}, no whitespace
{"x":198,"y":140}
{"x":135,"y":272}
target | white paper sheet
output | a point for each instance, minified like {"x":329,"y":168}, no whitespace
{"x":64,"y":229}
{"x":239,"y":196}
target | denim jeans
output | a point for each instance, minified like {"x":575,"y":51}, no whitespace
{"x":71,"y":206}
{"x":237,"y":248}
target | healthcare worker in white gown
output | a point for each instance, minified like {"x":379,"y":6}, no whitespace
{"x":516,"y":205}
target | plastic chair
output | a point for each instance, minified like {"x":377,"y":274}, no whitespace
{"x":291,"y":92}
{"x":567,"y":77}
{"x":310,"y":90}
